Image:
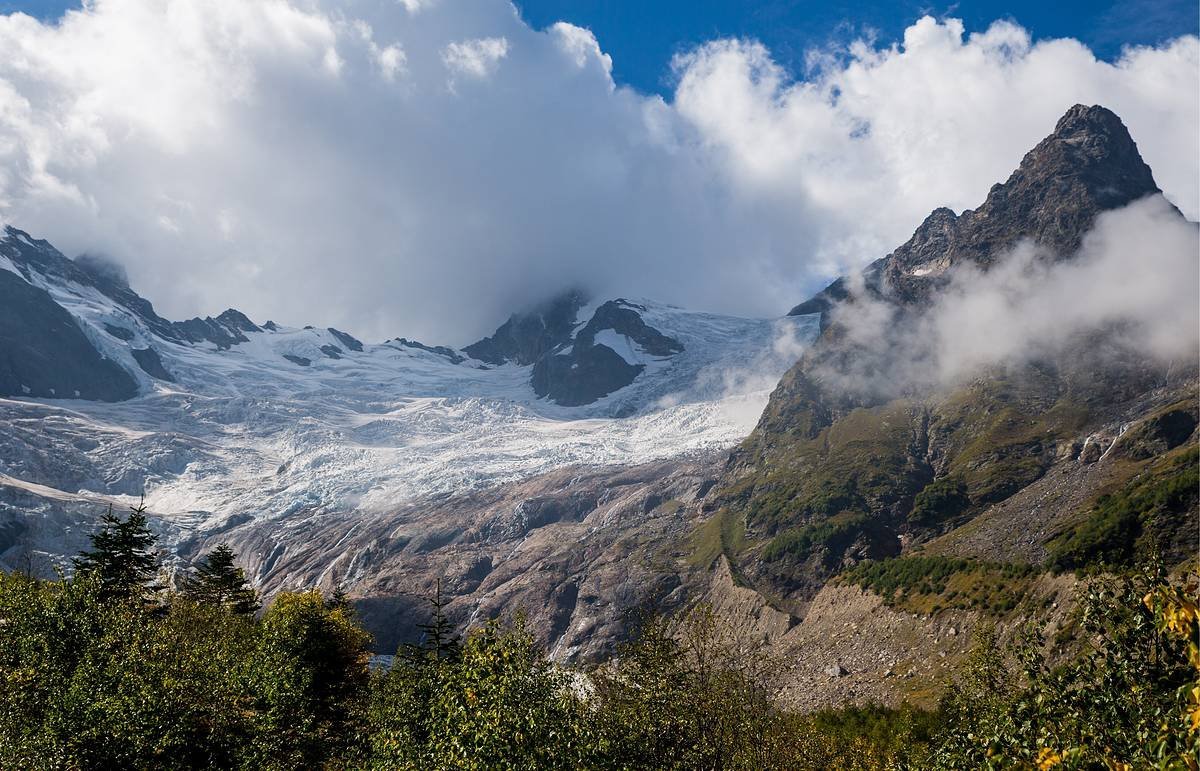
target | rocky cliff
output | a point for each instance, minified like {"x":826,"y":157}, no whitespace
{"x":1040,"y":461}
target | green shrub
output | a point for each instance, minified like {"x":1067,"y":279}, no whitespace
{"x":922,"y":583}
{"x":1122,"y":702}
{"x":1134,"y":521}
{"x":939,"y":501}
{"x":497,"y":702}
{"x":834,"y":533}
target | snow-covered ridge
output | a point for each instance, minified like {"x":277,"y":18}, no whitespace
{"x":294,"y":422}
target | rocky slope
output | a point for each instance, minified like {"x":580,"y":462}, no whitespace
{"x":579,"y":550}
{"x":1079,"y":455}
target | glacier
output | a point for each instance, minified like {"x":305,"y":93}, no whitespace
{"x":244,"y":433}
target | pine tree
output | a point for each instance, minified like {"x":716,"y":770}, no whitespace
{"x":122,"y":557}
{"x":439,"y":639}
{"x":215,"y":580}
{"x":338,"y":599}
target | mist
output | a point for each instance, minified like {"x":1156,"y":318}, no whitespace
{"x":1134,"y":283}
{"x":424,"y":169}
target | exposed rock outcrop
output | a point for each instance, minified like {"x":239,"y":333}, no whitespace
{"x":527,"y":337}
{"x":587,"y":370}
{"x":44,"y":353}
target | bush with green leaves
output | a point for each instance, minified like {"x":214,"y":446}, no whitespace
{"x":493,"y":702}
{"x":940,"y":500}
{"x":109,"y":670}
{"x":1120,"y":703}
{"x":685,"y":694}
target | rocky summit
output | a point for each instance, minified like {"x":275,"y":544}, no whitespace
{"x":833,"y":493}
{"x":1090,"y":164}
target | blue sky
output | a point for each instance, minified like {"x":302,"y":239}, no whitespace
{"x":643,"y":35}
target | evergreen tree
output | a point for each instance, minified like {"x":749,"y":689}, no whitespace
{"x":339,"y":599}
{"x":438,"y":638}
{"x":215,"y":580}
{"x":122,"y":558}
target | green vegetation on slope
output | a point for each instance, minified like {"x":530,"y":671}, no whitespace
{"x":830,"y":534}
{"x":997,"y":434}
{"x":940,"y":500}
{"x":862,"y":463}
{"x":1142,"y":517}
{"x":1129,"y":699}
{"x":925,"y":584}
{"x":724,"y":533}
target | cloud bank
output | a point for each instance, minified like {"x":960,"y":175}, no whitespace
{"x":423,"y":168}
{"x":1133,"y":288}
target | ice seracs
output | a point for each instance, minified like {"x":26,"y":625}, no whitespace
{"x":230,"y":420}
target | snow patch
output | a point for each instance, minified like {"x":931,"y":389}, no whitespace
{"x":623,"y":346}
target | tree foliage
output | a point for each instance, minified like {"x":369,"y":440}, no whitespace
{"x":1126,"y":701}
{"x":122,"y":558}
{"x":216,"y":580}
{"x":497,"y":703}
{"x":93,"y":676}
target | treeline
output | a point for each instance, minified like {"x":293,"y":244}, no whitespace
{"x":112,"y":670}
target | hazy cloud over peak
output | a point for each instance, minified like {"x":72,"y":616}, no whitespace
{"x":1135,"y":279}
{"x":422,"y":168}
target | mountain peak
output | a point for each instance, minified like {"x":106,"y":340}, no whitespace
{"x":1088,"y":165}
{"x":1091,"y":147}
{"x":527,"y":336}
{"x":1090,"y":119}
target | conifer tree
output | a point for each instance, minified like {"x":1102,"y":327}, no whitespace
{"x":216,"y":580}
{"x":338,"y":599}
{"x":122,"y":557}
{"x":439,"y":639}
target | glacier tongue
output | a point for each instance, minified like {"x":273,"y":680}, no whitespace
{"x":293,"y":423}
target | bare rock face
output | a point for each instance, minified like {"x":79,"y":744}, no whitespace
{"x":580,"y":551}
{"x":1090,"y":164}
{"x":46,"y":354}
{"x":527,"y":337}
{"x":588,"y":370}
{"x":151,"y":363}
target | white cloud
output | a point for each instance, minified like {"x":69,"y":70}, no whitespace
{"x":581,"y":45}
{"x":314,"y":168}
{"x":412,"y":6}
{"x":1136,"y":277}
{"x":879,"y":141}
{"x":390,"y":60}
{"x":1138,"y":270}
{"x":476,"y":58}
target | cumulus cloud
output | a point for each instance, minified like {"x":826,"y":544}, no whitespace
{"x":879,"y":137}
{"x":1135,"y":281}
{"x":305,"y":161}
{"x":475,"y":58}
